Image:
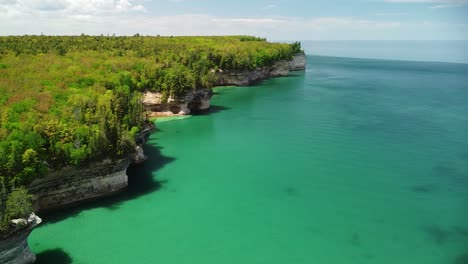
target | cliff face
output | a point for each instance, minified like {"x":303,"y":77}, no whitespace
{"x":280,"y":68}
{"x":193,"y":101}
{"x":138,"y":157}
{"x":70,"y":185}
{"x":14,"y":247}
{"x":248,"y":77}
{"x":298,"y":63}
{"x":198,"y":100}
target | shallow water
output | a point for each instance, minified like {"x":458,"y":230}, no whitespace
{"x":353,"y":161}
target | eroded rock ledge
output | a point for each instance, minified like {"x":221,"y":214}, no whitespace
{"x":70,"y":185}
{"x":14,"y":247}
{"x":192,"y":101}
{"x":280,"y":68}
{"x":298,"y":63}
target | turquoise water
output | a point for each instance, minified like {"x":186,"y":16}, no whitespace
{"x":353,"y":161}
{"x":413,"y":50}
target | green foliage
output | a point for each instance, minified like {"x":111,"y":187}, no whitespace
{"x":17,"y":203}
{"x":70,"y":100}
{"x":296,"y":47}
{"x":251,"y":38}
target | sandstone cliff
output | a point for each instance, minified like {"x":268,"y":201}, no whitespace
{"x":198,"y":100}
{"x":14,"y":247}
{"x":70,"y":185}
{"x":248,"y":77}
{"x":298,"y":63}
{"x":192,"y":101}
{"x":138,"y":157}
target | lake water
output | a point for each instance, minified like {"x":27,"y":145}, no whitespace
{"x":408,"y":50}
{"x":353,"y":161}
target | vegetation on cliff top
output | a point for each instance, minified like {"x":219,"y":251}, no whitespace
{"x":70,"y":100}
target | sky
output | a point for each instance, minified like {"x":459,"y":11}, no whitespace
{"x":273,"y":19}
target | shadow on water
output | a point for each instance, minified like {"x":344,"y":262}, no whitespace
{"x":140,"y":182}
{"x":212,"y":110}
{"x":53,"y":256}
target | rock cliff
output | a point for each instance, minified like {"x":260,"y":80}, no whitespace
{"x":298,"y":63}
{"x":192,"y":102}
{"x":248,"y":77}
{"x":70,"y":185}
{"x":138,"y":157}
{"x":198,"y":100}
{"x":14,"y":247}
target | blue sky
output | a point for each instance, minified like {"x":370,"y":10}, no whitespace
{"x":274,"y":19}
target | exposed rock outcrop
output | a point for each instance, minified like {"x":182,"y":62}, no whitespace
{"x":192,"y":101}
{"x":246,"y":77}
{"x":198,"y":100}
{"x":70,"y":185}
{"x":14,"y":247}
{"x":138,"y":157}
{"x":298,"y":63}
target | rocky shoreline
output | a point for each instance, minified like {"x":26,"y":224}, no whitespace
{"x":72,"y":185}
{"x":199,"y":100}
{"x":14,"y":247}
{"x":69,"y":186}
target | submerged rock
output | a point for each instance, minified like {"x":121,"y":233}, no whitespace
{"x":14,"y":247}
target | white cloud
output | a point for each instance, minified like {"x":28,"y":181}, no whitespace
{"x":434,"y":3}
{"x":194,"y":24}
{"x":12,"y":8}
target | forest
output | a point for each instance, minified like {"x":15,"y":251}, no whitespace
{"x":71,"y":100}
